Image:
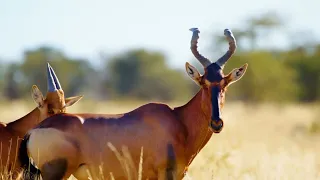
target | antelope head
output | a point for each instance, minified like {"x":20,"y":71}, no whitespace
{"x":54,"y":102}
{"x":213,"y":82}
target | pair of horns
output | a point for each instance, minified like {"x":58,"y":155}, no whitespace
{"x":52,"y":81}
{"x":206,"y":62}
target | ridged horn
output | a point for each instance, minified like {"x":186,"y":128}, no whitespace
{"x":50,"y":81}
{"x":232,"y":48}
{"x":55,"y":78}
{"x":194,"y":48}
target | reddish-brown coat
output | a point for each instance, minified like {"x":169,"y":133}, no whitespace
{"x":152,"y":126}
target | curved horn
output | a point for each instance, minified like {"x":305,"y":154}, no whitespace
{"x":194,"y":48}
{"x":50,"y":81}
{"x":232,"y":48}
{"x":55,"y":78}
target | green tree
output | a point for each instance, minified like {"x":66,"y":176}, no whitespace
{"x":11,"y":88}
{"x":71,"y":72}
{"x":308,"y":69}
{"x":266,"y":79}
{"x":254,"y":28}
{"x":146,"y":75}
{"x":2,"y":79}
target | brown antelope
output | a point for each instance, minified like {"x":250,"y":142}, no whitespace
{"x":13,"y":132}
{"x":80,"y":140}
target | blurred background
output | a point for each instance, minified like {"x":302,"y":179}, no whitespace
{"x":121,"y":54}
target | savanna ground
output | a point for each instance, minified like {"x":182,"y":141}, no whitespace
{"x":258,"y":141}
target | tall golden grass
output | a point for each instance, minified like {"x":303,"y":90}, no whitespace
{"x":258,"y":142}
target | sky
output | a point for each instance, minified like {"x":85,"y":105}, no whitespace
{"x":84,"y":28}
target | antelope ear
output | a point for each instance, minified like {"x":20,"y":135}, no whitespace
{"x":237,"y":74}
{"x":37,"y":96}
{"x":193,"y":73}
{"x":72,"y":100}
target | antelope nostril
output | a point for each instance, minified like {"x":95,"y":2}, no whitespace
{"x":216,"y":125}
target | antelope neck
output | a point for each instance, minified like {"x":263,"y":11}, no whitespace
{"x":23,"y":124}
{"x":195,"y":115}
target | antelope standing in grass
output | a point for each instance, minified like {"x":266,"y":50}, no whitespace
{"x":80,"y":140}
{"x":13,"y":132}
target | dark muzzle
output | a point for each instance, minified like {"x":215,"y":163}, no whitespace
{"x":216,"y":122}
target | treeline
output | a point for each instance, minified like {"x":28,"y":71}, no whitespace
{"x":136,"y":74}
{"x":273,"y":75}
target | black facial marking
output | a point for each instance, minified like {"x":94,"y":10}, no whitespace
{"x":215,"y":92}
{"x":214,"y":73}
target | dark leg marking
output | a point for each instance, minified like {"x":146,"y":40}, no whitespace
{"x":172,"y":163}
{"x":55,"y":169}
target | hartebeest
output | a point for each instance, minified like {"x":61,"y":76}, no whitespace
{"x":80,"y":140}
{"x":12,"y":133}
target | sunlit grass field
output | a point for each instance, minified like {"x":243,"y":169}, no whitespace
{"x":258,"y":141}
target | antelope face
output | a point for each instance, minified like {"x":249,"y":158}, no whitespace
{"x":54,"y":102}
{"x":214,"y":82}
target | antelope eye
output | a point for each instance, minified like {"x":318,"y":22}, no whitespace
{"x":50,"y":111}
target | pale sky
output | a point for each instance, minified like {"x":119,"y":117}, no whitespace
{"x":83,"y":28}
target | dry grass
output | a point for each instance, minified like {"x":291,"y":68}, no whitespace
{"x":258,"y":142}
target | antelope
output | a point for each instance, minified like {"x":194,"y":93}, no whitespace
{"x":80,"y":141}
{"x":13,"y":132}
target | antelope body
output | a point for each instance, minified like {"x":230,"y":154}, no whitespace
{"x":12,"y":133}
{"x":170,"y":137}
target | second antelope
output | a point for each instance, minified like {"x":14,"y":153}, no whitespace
{"x":80,"y":140}
{"x":12,"y":133}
